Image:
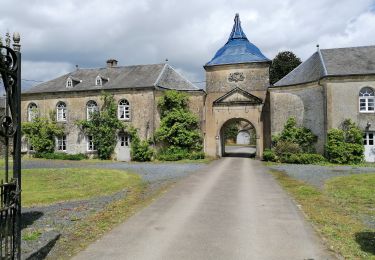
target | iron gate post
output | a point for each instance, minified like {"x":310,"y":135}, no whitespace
{"x":17,"y":143}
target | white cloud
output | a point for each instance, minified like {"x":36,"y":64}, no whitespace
{"x":56,"y":35}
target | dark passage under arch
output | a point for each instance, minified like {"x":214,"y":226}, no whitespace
{"x":238,"y":138}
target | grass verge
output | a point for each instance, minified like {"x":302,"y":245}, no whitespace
{"x":334,"y":213}
{"x":93,"y":227}
{"x":47,"y":186}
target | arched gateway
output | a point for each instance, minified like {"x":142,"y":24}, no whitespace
{"x":237,"y":80}
{"x":238,"y":138}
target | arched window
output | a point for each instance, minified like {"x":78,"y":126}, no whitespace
{"x":124,"y":110}
{"x":91,"y":107}
{"x":61,"y":111}
{"x":366,"y":100}
{"x":98,"y":81}
{"x":32,"y":111}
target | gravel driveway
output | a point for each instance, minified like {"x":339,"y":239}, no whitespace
{"x":316,"y":175}
{"x":55,"y":220}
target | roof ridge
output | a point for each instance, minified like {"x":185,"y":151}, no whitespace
{"x":325,"y":71}
{"x":182,"y":76}
{"x":352,"y":47}
{"x":160,"y":74}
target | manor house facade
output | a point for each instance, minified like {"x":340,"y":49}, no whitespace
{"x":329,"y":87}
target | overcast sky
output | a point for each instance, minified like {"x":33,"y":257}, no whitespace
{"x":57,"y":35}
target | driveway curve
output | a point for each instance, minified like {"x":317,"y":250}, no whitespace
{"x":231,"y":209}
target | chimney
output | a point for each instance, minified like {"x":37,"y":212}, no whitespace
{"x":111,"y":63}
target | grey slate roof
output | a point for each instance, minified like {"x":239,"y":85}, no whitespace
{"x":127,"y":77}
{"x":332,"y":62}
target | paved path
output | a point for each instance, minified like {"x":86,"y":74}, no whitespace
{"x":231,"y":209}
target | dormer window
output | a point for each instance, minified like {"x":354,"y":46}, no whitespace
{"x":98,"y":81}
{"x":69,"y":83}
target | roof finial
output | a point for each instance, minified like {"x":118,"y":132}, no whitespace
{"x":237,"y":32}
{"x":166,"y":60}
{"x":317,"y":47}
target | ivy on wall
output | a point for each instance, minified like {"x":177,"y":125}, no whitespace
{"x":41,"y":134}
{"x":179,"y":134}
{"x":103,"y":126}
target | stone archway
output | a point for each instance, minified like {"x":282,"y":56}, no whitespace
{"x":229,"y":147}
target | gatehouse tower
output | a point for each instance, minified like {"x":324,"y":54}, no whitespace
{"x":237,"y":79}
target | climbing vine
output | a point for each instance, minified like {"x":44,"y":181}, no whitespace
{"x":103,"y":127}
{"x":179,"y":134}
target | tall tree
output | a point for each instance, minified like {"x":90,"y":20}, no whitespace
{"x":282,"y":64}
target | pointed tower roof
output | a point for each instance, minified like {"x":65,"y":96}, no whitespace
{"x":238,"y":49}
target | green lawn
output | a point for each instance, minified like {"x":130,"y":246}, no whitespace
{"x":339,"y":211}
{"x":355,"y":193}
{"x":47,"y":186}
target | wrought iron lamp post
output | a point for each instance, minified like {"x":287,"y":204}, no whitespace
{"x":10,"y":134}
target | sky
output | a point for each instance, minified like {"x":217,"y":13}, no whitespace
{"x":58,"y":35}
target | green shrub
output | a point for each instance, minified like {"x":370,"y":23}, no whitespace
{"x":298,"y":135}
{"x":139,"y":150}
{"x":173,"y":153}
{"x":285,"y":148}
{"x":196,"y":155}
{"x":344,"y":146}
{"x":304,"y":158}
{"x":269,"y":155}
{"x":41,"y":134}
{"x":61,"y":156}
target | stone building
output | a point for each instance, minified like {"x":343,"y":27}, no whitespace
{"x":329,"y":87}
{"x":237,"y":79}
{"x":136,"y":90}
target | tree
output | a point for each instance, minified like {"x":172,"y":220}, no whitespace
{"x":282,"y":64}
{"x":103,"y":127}
{"x":231,"y":131}
{"x":41,"y":134}
{"x":179,"y":127}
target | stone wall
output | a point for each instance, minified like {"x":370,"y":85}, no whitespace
{"x":305,"y":103}
{"x":343,"y":101}
{"x":249,"y":77}
{"x":141,"y":103}
{"x":144,"y":114}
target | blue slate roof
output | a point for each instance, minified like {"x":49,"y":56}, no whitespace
{"x":238,"y":49}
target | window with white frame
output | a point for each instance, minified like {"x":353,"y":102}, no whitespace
{"x":61,"y":143}
{"x":91,"y":107}
{"x":124,"y":110}
{"x":368,"y":138}
{"x":61,"y":111}
{"x":124,"y":140}
{"x":32,"y":111}
{"x":366,"y":100}
{"x":90,"y":144}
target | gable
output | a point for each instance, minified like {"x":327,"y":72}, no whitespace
{"x":237,"y":97}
